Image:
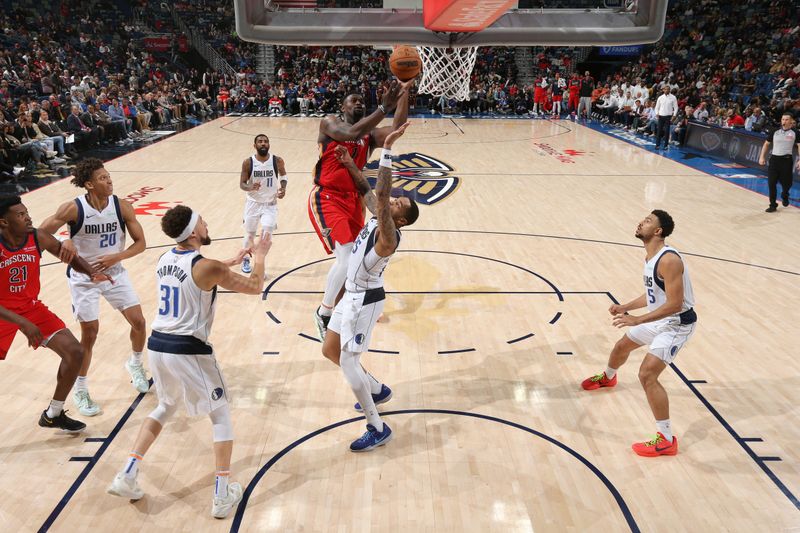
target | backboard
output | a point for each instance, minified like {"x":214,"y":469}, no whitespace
{"x":556,"y":23}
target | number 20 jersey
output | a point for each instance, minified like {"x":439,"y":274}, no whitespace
{"x":98,"y":233}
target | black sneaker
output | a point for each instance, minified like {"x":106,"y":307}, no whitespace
{"x":321,"y":323}
{"x":771,"y":209}
{"x":785,"y":201}
{"x":61,"y":421}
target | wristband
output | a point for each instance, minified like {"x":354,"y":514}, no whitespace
{"x":386,"y":158}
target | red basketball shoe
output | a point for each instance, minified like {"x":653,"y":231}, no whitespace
{"x":657,"y":446}
{"x":598,"y":381}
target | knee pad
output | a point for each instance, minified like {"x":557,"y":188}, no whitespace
{"x":223,"y":426}
{"x":162,"y":413}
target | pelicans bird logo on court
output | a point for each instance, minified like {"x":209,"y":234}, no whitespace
{"x":421,"y":177}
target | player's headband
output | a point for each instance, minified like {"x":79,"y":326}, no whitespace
{"x":188,"y":229}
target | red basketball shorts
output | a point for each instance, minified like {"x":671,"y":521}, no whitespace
{"x":38,"y":313}
{"x":336,"y":216}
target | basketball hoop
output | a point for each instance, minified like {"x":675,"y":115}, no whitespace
{"x":446,"y":71}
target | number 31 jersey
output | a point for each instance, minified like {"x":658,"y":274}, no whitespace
{"x":183,"y":307}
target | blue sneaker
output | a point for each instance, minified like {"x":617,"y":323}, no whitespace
{"x":246,"y":268}
{"x":371,"y":439}
{"x":382,"y":397}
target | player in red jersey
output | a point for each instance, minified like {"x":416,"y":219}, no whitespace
{"x":21,"y":248}
{"x":574,"y":93}
{"x":336,"y":203}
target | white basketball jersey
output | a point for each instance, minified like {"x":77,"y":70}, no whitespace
{"x":98,"y":233}
{"x":365,"y":270}
{"x":654,"y":287}
{"x":266,"y":174}
{"x":183,"y":307}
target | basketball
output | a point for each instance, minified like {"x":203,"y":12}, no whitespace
{"x":405,"y":62}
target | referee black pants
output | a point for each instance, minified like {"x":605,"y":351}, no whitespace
{"x":779,"y":170}
{"x":663,"y":130}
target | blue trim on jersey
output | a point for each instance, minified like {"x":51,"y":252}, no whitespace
{"x":118,"y":209}
{"x":177,"y":344}
{"x":183,"y":252}
{"x":660,"y":282}
{"x":76,"y":227}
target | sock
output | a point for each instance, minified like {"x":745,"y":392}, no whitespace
{"x":81,"y":383}
{"x":665,"y":427}
{"x":611,"y":372}
{"x":132,"y":466}
{"x":221,"y":484}
{"x":374,"y":384}
{"x":55,"y":408}
{"x":136,"y":358}
{"x":324,"y":310}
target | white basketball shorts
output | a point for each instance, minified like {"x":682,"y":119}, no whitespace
{"x":355,"y":317}
{"x":86,"y":295}
{"x":665,"y":337}
{"x":194,"y":379}
{"x":256,"y":213}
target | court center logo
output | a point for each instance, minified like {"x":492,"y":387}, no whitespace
{"x":421,"y":177}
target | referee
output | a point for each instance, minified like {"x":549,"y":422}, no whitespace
{"x":780,"y":162}
{"x":666,"y":109}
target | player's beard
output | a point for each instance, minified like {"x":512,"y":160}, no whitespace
{"x":205,"y":241}
{"x":263,"y":152}
{"x":358,"y":114}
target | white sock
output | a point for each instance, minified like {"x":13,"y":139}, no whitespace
{"x":610,"y":372}
{"x":55,"y":408}
{"x":136,"y":358}
{"x":665,"y":428}
{"x":132,"y":465}
{"x":374,"y":384}
{"x":221,"y":483}
{"x":81,"y":383}
{"x":357,"y":379}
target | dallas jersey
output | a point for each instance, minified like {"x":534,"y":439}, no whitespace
{"x":266,"y":174}
{"x":184,"y":308}
{"x":97,"y":233}
{"x":365,"y":269}
{"x":654,"y":287}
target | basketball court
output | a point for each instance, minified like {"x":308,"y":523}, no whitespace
{"x":496,"y":310}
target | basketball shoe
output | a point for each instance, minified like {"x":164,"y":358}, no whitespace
{"x":138,"y":376}
{"x":321,"y":323}
{"x":371,"y":439}
{"x":83,"y":401}
{"x":246,"y":267}
{"x":382,"y":397}
{"x":599,"y":381}
{"x":62,"y":421}
{"x":125,"y":487}
{"x":221,"y":507}
{"x":657,"y":446}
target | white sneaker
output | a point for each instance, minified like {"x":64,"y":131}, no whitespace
{"x":86,"y":406}
{"x":125,"y":487}
{"x":221,"y":507}
{"x":246,"y":267}
{"x":138,"y":376}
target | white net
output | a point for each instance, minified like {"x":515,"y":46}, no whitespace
{"x":446,"y":71}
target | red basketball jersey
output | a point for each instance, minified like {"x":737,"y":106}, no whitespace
{"x":19,"y":273}
{"x":330,"y":173}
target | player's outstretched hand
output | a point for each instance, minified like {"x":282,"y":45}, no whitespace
{"x":342,"y":155}
{"x":394,"y":135}
{"x":33,"y":333}
{"x":67,"y":252}
{"x":391,"y":96}
{"x":263,"y":245}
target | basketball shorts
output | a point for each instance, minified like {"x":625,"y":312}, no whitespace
{"x":42,"y":317}
{"x":195,"y":379}
{"x":86,"y":294}
{"x":355,"y":317}
{"x":336,"y":216}
{"x":664,"y":337}
{"x":256,"y":213}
